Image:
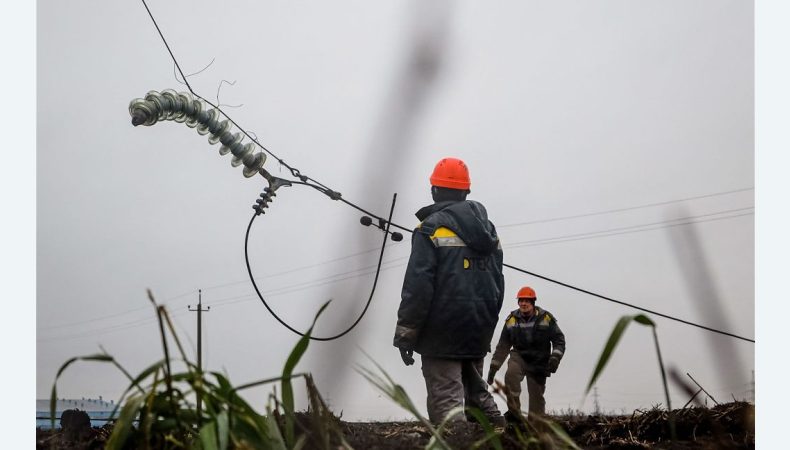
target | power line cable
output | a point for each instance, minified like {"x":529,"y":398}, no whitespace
{"x":619,"y":302}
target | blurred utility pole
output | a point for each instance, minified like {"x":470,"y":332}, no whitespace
{"x":199,"y":311}
{"x":752,"y":390}
{"x":597,"y":406}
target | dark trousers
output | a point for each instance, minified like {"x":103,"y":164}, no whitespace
{"x":456,"y":382}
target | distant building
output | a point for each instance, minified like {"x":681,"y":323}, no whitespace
{"x":98,"y":410}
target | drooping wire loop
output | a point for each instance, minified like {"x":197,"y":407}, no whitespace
{"x":387,"y":233}
{"x":183,"y":107}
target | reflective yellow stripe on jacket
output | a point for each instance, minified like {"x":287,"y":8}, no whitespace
{"x":445,"y":237}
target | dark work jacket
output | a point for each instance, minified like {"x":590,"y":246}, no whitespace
{"x":453,"y":288}
{"x":535,"y":339}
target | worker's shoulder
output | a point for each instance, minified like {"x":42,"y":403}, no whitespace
{"x":426,"y":227}
{"x":431,"y":223}
{"x":546,"y":316}
{"x":433,"y":230}
{"x":438,"y":233}
{"x":511,"y":318}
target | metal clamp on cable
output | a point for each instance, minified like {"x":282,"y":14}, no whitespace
{"x":382,"y":225}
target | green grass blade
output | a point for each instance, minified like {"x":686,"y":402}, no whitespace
{"x":611,"y":344}
{"x":287,"y":386}
{"x":53,"y":399}
{"x":275,"y":438}
{"x":267,"y":381}
{"x":208,"y":437}
{"x":122,"y":369}
{"x":491,"y":435}
{"x":608,"y":349}
{"x":124,"y":424}
{"x":300,"y":443}
{"x":644,"y":320}
{"x":223,"y":429}
{"x":562,"y":435}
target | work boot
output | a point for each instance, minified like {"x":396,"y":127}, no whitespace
{"x":512,"y":417}
{"x":497,"y":421}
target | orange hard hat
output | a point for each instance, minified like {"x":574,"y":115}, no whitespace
{"x":451,"y":173}
{"x":526,"y":292}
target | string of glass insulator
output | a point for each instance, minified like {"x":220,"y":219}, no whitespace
{"x":182,"y":107}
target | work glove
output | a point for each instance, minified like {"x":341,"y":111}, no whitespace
{"x":491,"y":373}
{"x":407,"y":356}
{"x":554,"y":363}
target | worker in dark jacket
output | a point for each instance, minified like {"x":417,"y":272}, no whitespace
{"x":452,"y":294}
{"x":537,"y":345}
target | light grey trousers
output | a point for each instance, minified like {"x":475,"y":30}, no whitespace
{"x":517,"y":369}
{"x":456,"y":382}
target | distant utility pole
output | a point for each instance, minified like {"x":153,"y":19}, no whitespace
{"x":199,"y":311}
{"x":597,"y":406}
{"x":752,"y":390}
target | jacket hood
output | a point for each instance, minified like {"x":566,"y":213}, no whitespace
{"x":468,"y":219}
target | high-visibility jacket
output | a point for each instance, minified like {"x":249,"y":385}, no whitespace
{"x":534,"y":338}
{"x":453,"y":288}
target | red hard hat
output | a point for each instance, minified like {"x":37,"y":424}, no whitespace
{"x":526,"y":292}
{"x":451,"y":173}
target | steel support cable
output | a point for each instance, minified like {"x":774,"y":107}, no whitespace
{"x":336,"y":196}
{"x":666,"y":316}
{"x":367,"y":304}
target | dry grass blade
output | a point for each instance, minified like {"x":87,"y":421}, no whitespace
{"x":396,"y":392}
{"x":491,"y":436}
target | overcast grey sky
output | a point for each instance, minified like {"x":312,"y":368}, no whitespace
{"x":558,"y":109}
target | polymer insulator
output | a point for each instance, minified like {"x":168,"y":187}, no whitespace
{"x":182,"y":107}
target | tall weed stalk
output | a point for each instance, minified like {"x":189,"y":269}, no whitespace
{"x":608,"y":350}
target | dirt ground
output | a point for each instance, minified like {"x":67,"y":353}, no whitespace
{"x":728,"y":426}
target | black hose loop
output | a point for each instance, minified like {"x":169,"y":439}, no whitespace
{"x":372,"y":290}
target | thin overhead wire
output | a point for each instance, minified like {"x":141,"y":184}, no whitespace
{"x":629,"y":208}
{"x":520,"y":244}
{"x":637,"y":228}
{"x":323,"y":281}
{"x":344,"y":276}
{"x":107,"y":330}
{"x":110,"y":316}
